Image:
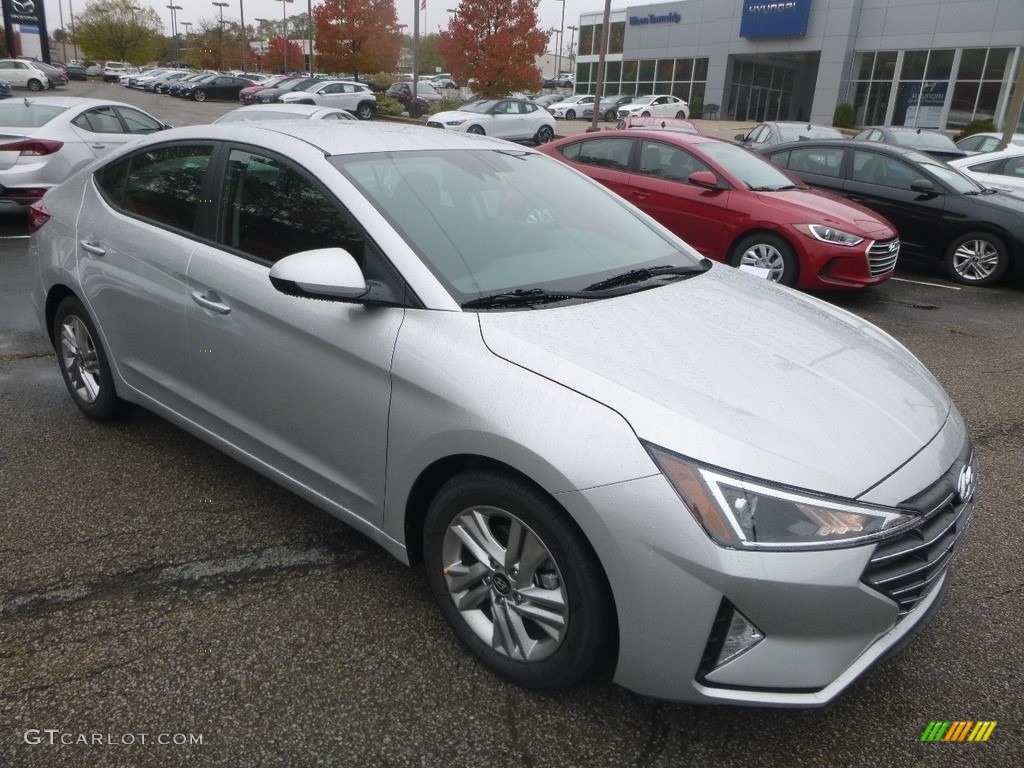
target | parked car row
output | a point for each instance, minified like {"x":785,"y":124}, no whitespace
{"x":31,"y":74}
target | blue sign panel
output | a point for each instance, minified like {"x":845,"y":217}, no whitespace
{"x":775,"y":18}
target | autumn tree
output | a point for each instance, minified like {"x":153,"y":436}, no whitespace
{"x":357,"y":36}
{"x":120,"y":31}
{"x":495,"y":44}
{"x":275,"y":60}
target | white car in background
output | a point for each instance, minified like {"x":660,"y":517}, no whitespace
{"x":656,"y":106}
{"x":23,"y":74}
{"x":977,"y":143}
{"x":341,"y":94}
{"x":267,"y":112}
{"x":570,"y":108}
{"x":1002,"y":171}
{"x":514,"y":119}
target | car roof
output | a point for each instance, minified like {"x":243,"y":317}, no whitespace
{"x":74,"y":101}
{"x":889,"y":149}
{"x":358,"y":138}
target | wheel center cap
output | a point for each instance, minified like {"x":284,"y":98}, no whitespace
{"x":501,"y":584}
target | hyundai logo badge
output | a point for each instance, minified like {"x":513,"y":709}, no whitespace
{"x":966,"y":484}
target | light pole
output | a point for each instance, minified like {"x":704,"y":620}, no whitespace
{"x":186,"y":25}
{"x":284,"y":19}
{"x":561,"y":33}
{"x":309,"y":24}
{"x":245,"y":41}
{"x":572,"y":48}
{"x":174,"y":29}
{"x":220,"y":31}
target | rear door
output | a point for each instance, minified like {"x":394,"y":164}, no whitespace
{"x":605,"y":159}
{"x":101,"y":130}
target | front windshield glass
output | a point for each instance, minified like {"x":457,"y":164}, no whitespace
{"x":426,"y":88}
{"x":482,"y":106}
{"x":949,"y":175}
{"x":493,"y":220}
{"x":752,"y":170}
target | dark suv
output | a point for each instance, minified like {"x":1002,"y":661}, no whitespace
{"x":425,"y":97}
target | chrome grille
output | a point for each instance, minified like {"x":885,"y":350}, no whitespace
{"x":882,"y":256}
{"x":906,"y":568}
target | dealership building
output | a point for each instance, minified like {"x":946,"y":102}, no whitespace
{"x":926,"y":63}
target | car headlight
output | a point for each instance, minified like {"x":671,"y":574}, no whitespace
{"x":742,"y":513}
{"x":455,"y":122}
{"x":829,"y":234}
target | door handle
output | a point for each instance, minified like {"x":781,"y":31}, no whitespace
{"x":92,"y":248}
{"x":210,"y":301}
{"x":639,"y":195}
{"x":97,"y":146}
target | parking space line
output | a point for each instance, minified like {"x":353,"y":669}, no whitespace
{"x":921,"y":282}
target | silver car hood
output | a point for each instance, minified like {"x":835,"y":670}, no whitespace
{"x":741,"y":374}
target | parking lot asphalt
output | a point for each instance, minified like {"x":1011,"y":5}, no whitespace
{"x":151,"y":589}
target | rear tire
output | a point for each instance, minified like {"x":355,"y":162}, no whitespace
{"x":364,"y":111}
{"x":35,"y":85}
{"x":680,"y":115}
{"x":544,"y":134}
{"x":83,"y":362}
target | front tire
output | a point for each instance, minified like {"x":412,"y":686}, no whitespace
{"x":516,"y":580}
{"x":83,"y":362}
{"x":646,"y":114}
{"x":767,"y":251}
{"x":35,"y":85}
{"x":544,"y":134}
{"x":476,"y":130}
{"x":570,"y":114}
{"x":977,"y":258}
{"x":199,"y":95}
{"x":610,"y":115}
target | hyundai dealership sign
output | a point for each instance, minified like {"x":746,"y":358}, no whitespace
{"x":775,"y":18}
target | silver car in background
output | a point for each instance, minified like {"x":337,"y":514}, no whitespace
{"x":487,"y":363}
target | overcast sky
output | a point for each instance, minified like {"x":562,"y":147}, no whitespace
{"x":435,"y":17}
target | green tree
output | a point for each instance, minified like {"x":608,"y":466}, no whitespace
{"x":493,"y":45}
{"x":116,"y":30}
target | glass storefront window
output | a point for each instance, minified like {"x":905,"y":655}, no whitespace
{"x":913,"y":65}
{"x":586,"y":40}
{"x":629,"y":72}
{"x":700,"y":69}
{"x":995,"y":68}
{"x":665,"y":70}
{"x":646,"y":70}
{"x":613,"y":71}
{"x":616,"y":37}
{"x":862,"y":64}
{"x":940,"y":64}
{"x":972,"y":63}
{"x":582,"y":73}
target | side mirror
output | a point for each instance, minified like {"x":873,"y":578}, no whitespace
{"x":166,"y":127}
{"x":326,"y":273}
{"x":705,"y":179}
{"x":924,"y":186}
{"x":740,"y":137}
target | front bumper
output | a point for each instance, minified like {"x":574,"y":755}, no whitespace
{"x":824,"y":621}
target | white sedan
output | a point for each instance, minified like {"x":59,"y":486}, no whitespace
{"x":1003,"y":170}
{"x":268,"y":112}
{"x":570,"y":108}
{"x":341,"y":94}
{"x":656,"y":106}
{"x":516,"y":119}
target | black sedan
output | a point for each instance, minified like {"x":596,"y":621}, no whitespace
{"x":943,"y":217}
{"x":75,"y":72}
{"x":273,"y":95}
{"x":217,"y":87}
{"x":175,"y":86}
{"x":933,"y":143}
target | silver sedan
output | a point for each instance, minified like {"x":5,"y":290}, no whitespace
{"x":604,"y":449}
{"x":45,"y":139}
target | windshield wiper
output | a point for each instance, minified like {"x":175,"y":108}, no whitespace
{"x":772,"y":189}
{"x":644,"y":274}
{"x":524,"y":298}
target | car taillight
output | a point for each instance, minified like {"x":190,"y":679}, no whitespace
{"x":32,"y":147}
{"x":37,"y":216}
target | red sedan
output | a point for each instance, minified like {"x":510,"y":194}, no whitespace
{"x":733,"y":206}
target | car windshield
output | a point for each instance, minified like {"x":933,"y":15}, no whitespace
{"x":949,"y":175}
{"x":18,"y":114}
{"x":427,"y":88}
{"x":752,"y":170}
{"x":643,"y":100}
{"x":795,"y":132}
{"x":482,"y":106}
{"x":496,"y":220}
{"x":923,"y":139}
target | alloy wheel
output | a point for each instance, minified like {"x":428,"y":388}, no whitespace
{"x":81,"y":360}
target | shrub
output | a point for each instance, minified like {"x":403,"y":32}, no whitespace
{"x":383,"y":80}
{"x":447,"y":104}
{"x":845,"y":116}
{"x":976,"y":126}
{"x":697,"y":109}
{"x":389,"y":106}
